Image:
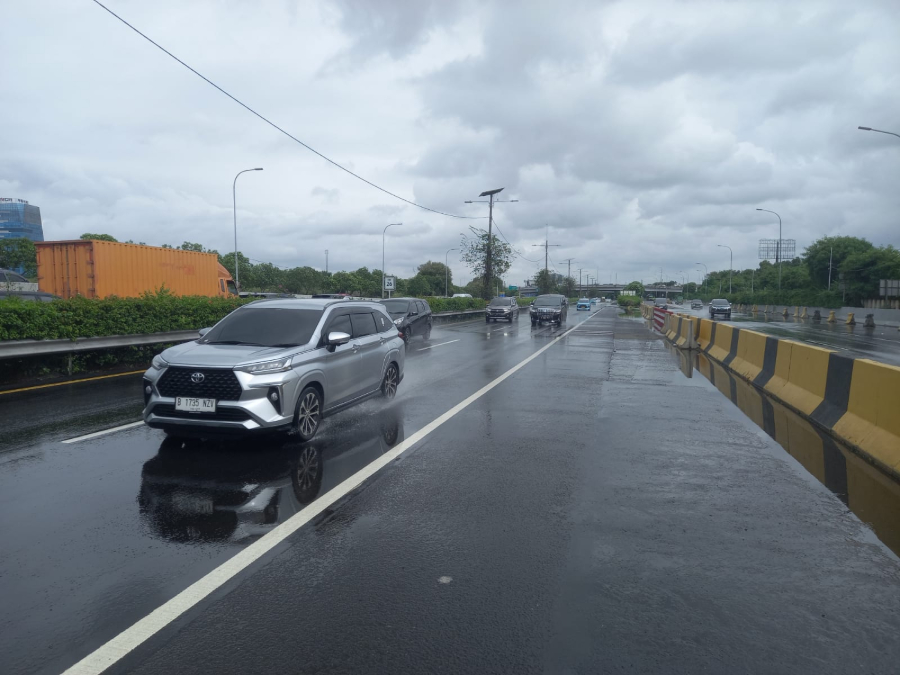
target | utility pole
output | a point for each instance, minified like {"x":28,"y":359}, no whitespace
{"x":579,"y":279}
{"x":488,"y":269}
{"x":326,"y":261}
{"x":546,"y":246}
{"x":830,"y":258}
{"x":569,"y":273}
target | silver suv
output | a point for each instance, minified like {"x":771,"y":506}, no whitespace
{"x":275,"y":365}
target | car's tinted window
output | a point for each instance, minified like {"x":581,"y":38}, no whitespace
{"x":2,"y":276}
{"x":363,"y":324}
{"x":384,"y":323}
{"x":396,"y":306}
{"x":340,"y":324}
{"x":267,"y":326}
{"x":421,"y":307}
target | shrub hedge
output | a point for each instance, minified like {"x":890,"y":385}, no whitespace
{"x":83,"y":317}
{"x":454,"y":304}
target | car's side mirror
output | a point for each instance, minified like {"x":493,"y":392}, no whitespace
{"x":414,"y":314}
{"x":336,"y":338}
{"x":204,"y":331}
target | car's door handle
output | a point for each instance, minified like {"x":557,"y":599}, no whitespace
{"x":355,"y":346}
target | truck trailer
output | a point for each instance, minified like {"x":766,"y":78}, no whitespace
{"x":100,"y":269}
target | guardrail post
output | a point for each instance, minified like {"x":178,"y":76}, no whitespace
{"x":797,"y":311}
{"x":70,"y":365}
{"x":785,"y":312}
{"x":831,"y":318}
{"x":804,"y":315}
{"x":870,"y":321}
{"x":817,"y":316}
{"x":850,"y":320}
{"x":755,"y":308}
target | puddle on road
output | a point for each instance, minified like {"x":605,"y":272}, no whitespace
{"x":869,"y":493}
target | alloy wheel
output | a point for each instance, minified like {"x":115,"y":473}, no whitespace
{"x":391,"y":380}
{"x":308,"y":415}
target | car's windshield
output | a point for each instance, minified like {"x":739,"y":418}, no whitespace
{"x":396,"y":306}
{"x":720,"y":302}
{"x":265,"y":326}
{"x":500,"y":302}
{"x":547,"y":301}
{"x":584,"y":300}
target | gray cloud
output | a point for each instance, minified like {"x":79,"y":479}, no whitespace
{"x":639,"y":134}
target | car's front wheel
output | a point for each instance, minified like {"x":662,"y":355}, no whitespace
{"x":308,"y":414}
{"x":390,"y":381}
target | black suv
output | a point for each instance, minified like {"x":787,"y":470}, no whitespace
{"x":411,"y":316}
{"x":552,"y":308}
{"x":501,"y":308}
{"x":719,"y":306}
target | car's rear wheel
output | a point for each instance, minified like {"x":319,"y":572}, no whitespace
{"x":427,"y":334}
{"x":390,"y":382}
{"x":308,"y":414}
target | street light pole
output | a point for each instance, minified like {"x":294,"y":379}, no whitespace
{"x":326,"y":261}
{"x":730,"y":264}
{"x":237,"y":280}
{"x":778,"y":247}
{"x":706,"y":275}
{"x":879,"y":131}
{"x":447,"y":272}
{"x":382,"y":255}
{"x":488,"y":269}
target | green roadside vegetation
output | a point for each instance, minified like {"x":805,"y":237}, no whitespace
{"x":856,"y":266}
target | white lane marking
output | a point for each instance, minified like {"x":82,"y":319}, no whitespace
{"x":441,"y":344}
{"x":129,"y":639}
{"x":104,"y":432}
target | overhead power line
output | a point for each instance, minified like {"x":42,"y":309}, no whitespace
{"x":275,"y":126}
{"x":513,"y":247}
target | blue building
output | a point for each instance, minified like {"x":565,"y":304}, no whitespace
{"x":18,"y":218}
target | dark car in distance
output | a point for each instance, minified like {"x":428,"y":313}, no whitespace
{"x":411,"y":316}
{"x":552,"y":308}
{"x":501,"y":308}
{"x":719,"y":306}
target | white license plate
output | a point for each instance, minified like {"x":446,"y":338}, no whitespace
{"x":197,"y":405}
{"x":192,"y":504}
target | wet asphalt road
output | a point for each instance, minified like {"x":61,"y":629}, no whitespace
{"x":597,"y":511}
{"x":881,"y":343}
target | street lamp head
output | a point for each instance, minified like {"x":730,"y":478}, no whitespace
{"x":488,"y":193}
{"x":865,"y":128}
{"x":468,"y":201}
{"x":258,"y":169}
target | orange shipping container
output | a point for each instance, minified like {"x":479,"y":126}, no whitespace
{"x":98,"y":269}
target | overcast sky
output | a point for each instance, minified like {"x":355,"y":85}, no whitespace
{"x":642,"y":134}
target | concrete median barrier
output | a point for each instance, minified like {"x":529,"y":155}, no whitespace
{"x":857,"y":401}
{"x":872,"y":417}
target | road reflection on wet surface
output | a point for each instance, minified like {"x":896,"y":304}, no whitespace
{"x":869,"y":493}
{"x":204,"y":492}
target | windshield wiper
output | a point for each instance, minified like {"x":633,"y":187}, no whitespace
{"x":286,"y":344}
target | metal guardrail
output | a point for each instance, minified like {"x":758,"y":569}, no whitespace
{"x":11,"y":349}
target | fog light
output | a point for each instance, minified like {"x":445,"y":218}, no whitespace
{"x":148,"y":390}
{"x":275,"y":399}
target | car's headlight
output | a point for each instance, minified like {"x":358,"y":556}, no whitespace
{"x":159,"y":362}
{"x":278,"y":366}
{"x":397,"y":322}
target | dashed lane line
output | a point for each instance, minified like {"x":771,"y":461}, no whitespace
{"x":97,"y":434}
{"x":441,"y":344}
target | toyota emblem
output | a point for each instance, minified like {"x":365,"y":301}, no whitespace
{"x":197,"y":378}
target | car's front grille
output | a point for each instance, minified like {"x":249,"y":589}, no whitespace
{"x":221,"y":385}
{"x":223,"y":414}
